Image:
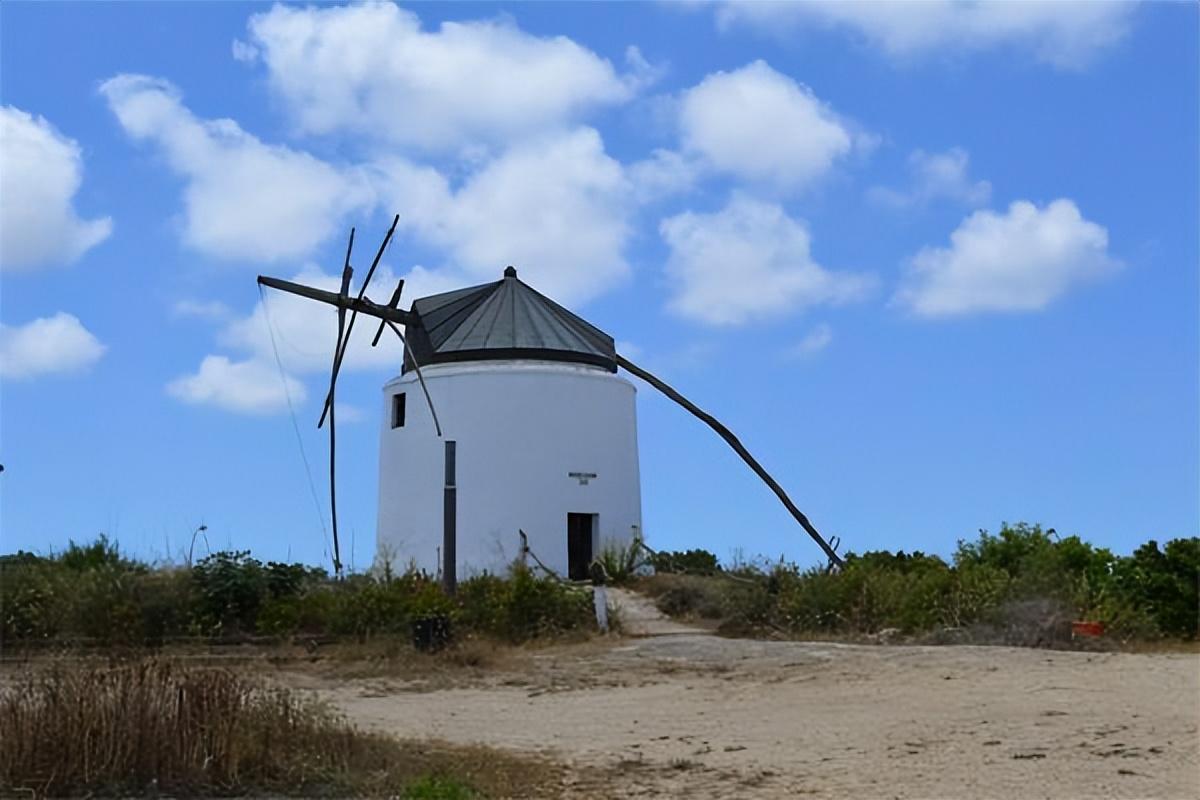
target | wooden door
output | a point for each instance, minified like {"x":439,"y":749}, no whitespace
{"x":579,"y":545}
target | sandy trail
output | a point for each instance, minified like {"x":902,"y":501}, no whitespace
{"x":679,"y":712}
{"x":640,"y":617}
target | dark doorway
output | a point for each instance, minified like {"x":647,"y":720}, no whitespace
{"x":579,"y":546}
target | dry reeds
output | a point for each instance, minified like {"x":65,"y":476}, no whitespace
{"x":154,"y":726}
{"x":157,"y":726}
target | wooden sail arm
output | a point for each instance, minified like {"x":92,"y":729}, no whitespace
{"x":361,"y":305}
{"x":738,"y":447}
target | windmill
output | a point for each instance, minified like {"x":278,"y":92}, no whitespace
{"x":504,"y":332}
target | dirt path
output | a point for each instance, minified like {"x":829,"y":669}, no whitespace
{"x":697,"y":715}
{"x":640,"y":618}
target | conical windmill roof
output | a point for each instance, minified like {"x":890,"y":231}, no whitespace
{"x":503,"y":320}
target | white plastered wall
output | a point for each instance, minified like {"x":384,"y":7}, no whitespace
{"x":520,"y":429}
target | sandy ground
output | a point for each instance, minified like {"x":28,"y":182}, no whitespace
{"x":677,"y":712}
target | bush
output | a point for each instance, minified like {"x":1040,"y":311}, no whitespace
{"x":685,"y":595}
{"x":1021,"y":585}
{"x":1165,"y":583}
{"x":690,"y":562}
{"x":525,"y":607}
{"x":93,"y":594}
{"x":439,"y":788}
{"x":84,"y":588}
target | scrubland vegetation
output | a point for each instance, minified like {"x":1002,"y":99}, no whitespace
{"x":151,"y":727}
{"x":133,"y":724}
{"x":93,"y":594}
{"x":101,"y":725}
{"x":1022,"y":585}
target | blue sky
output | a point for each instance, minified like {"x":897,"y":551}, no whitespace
{"x":935,"y":264}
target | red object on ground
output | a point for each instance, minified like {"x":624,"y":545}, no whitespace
{"x":1088,"y":628}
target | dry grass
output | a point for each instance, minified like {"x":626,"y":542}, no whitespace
{"x":154,"y":726}
{"x":689,"y":597}
{"x":464,"y":661}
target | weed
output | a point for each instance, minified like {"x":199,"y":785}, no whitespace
{"x":438,"y":788}
{"x":621,"y":561}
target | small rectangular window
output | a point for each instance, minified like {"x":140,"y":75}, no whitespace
{"x":398,"y":410}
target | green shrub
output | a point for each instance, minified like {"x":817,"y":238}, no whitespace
{"x":93,"y":593}
{"x":99,"y":554}
{"x":536,"y":607}
{"x":165,"y":599}
{"x":1165,"y":583}
{"x":483,"y":603}
{"x":438,"y":788}
{"x":747,"y":607}
{"x":33,"y":601}
{"x":105,"y":605}
{"x":685,"y":595}
{"x":690,"y":562}
{"x":1023,"y":584}
{"x":230,"y":589}
{"x":620,"y":561}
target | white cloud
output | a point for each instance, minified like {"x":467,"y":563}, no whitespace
{"x":762,"y":126}
{"x":46,"y":346}
{"x":348,"y":414}
{"x":1019,"y":261}
{"x":557,"y":207}
{"x":642,"y":73}
{"x":244,"y":200}
{"x":372,"y":70}
{"x":663,"y":174}
{"x":245,"y":387}
{"x":936,"y":175}
{"x":1065,"y":34}
{"x":630,"y":350}
{"x":748,"y":261}
{"x":201,"y":309}
{"x":244,"y":52}
{"x":813,"y":342}
{"x":40,"y":172}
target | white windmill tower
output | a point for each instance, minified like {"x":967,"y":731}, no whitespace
{"x":539,"y":434}
{"x":536,"y":429}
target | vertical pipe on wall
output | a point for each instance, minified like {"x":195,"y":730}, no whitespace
{"x":450,"y":522}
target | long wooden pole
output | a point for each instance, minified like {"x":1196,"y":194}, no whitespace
{"x":363,"y":306}
{"x":738,"y":447}
{"x":337,"y":555}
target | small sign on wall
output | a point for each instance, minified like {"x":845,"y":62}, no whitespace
{"x":582,"y":477}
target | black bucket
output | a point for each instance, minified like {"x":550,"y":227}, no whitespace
{"x":431,"y":633}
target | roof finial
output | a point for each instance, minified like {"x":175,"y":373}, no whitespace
{"x":510,"y":271}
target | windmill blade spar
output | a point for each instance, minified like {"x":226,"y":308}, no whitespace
{"x":363,"y":306}
{"x":343,"y":342}
{"x":393,"y":303}
{"x":347,"y":274}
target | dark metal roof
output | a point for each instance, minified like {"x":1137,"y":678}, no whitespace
{"x":503,"y":320}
